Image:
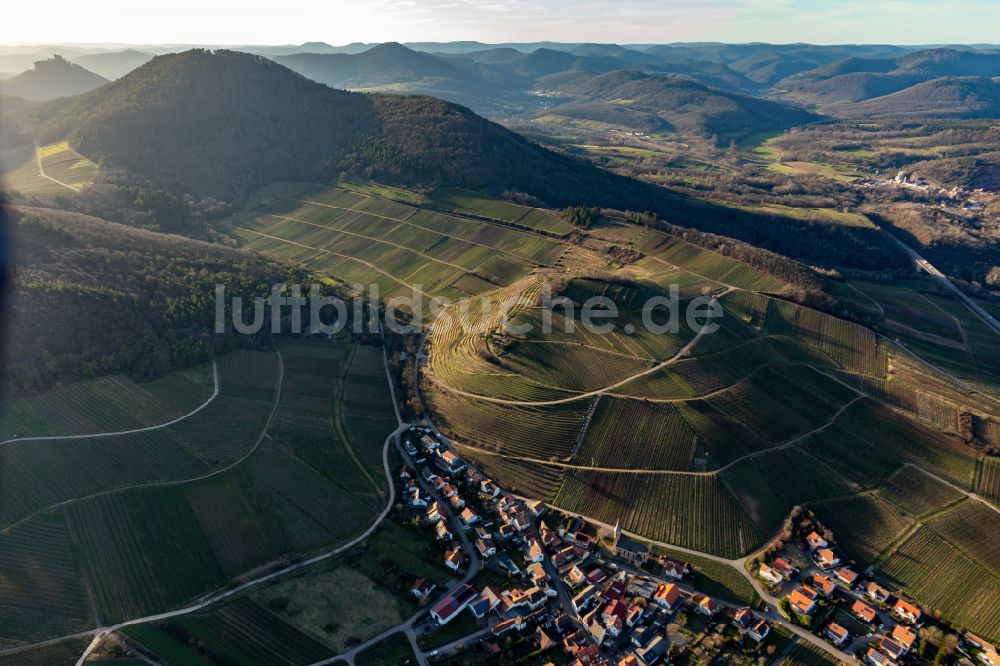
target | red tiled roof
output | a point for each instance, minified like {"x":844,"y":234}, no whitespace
{"x":836,"y":630}
{"x":864,"y":611}
{"x":904,"y":635}
{"x":906,"y":607}
{"x":668,"y":593}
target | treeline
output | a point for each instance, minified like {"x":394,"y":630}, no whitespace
{"x":215,"y":125}
{"x":91,"y":297}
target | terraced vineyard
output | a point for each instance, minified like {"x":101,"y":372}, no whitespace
{"x":630,"y":434}
{"x":243,"y":502}
{"x":49,"y":472}
{"x":405,"y":250}
{"x":989,"y":480}
{"x":864,"y":525}
{"x":939,"y":576}
{"x":41,"y":588}
{"x":972,"y":527}
{"x":548,"y":432}
{"x":638,"y":500}
{"x":917,"y":493}
{"x":704,"y":263}
{"x":105,"y":404}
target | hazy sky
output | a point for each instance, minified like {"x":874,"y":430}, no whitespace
{"x":623,"y":21}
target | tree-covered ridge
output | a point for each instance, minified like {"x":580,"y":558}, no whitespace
{"x":92,"y":297}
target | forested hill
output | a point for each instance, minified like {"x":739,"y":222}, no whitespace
{"x":218,"y":124}
{"x":84,"y":302}
{"x":52,"y":78}
{"x":657,"y":103}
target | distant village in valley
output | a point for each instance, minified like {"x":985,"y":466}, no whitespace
{"x":539,"y":585}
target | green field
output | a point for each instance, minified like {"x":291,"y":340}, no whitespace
{"x":392,"y":651}
{"x":941,"y":578}
{"x":917,"y":493}
{"x":630,"y":434}
{"x":867,"y":444}
{"x":166,"y":645}
{"x":637,"y":500}
{"x":244,"y":632}
{"x":105,"y":404}
{"x":973,"y":527}
{"x":705,"y":263}
{"x":463,"y":201}
{"x":41,"y":589}
{"x":243,"y":502}
{"x":538,"y":432}
{"x":50,"y":472}
{"x":357,"y":238}
{"x":989,"y":480}
{"x":65,"y":653}
{"x":68,"y":170}
{"x":863,"y":525}
{"x":806,"y":654}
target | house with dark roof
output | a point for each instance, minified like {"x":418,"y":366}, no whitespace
{"x":759,"y":630}
{"x":674,"y":569}
{"x":634,"y":551}
{"x":875,"y":592}
{"x":422,"y":588}
{"x":453,"y":603}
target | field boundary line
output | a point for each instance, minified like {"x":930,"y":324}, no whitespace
{"x":345,"y":256}
{"x":100,"y":632}
{"x":589,"y":394}
{"x":41,"y":172}
{"x":416,"y":209}
{"x":338,"y":425}
{"x":676,"y":472}
{"x":175,"y":482}
{"x":215,"y":394}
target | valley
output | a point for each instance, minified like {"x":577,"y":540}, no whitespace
{"x":468,"y":470}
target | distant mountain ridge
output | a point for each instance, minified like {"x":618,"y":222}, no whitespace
{"x":50,"y":79}
{"x":857,"y":79}
{"x":653,"y":103}
{"x":219,"y":124}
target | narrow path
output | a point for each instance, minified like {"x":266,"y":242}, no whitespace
{"x":588,"y":394}
{"x":967,"y":493}
{"x":434,"y":231}
{"x":175,"y":482}
{"x":213,"y":599}
{"x":41,"y":172}
{"x":338,"y":425}
{"x":215,"y":394}
{"x":732,"y":463}
{"x":345,"y":256}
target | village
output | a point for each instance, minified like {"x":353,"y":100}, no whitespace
{"x":540,"y":586}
